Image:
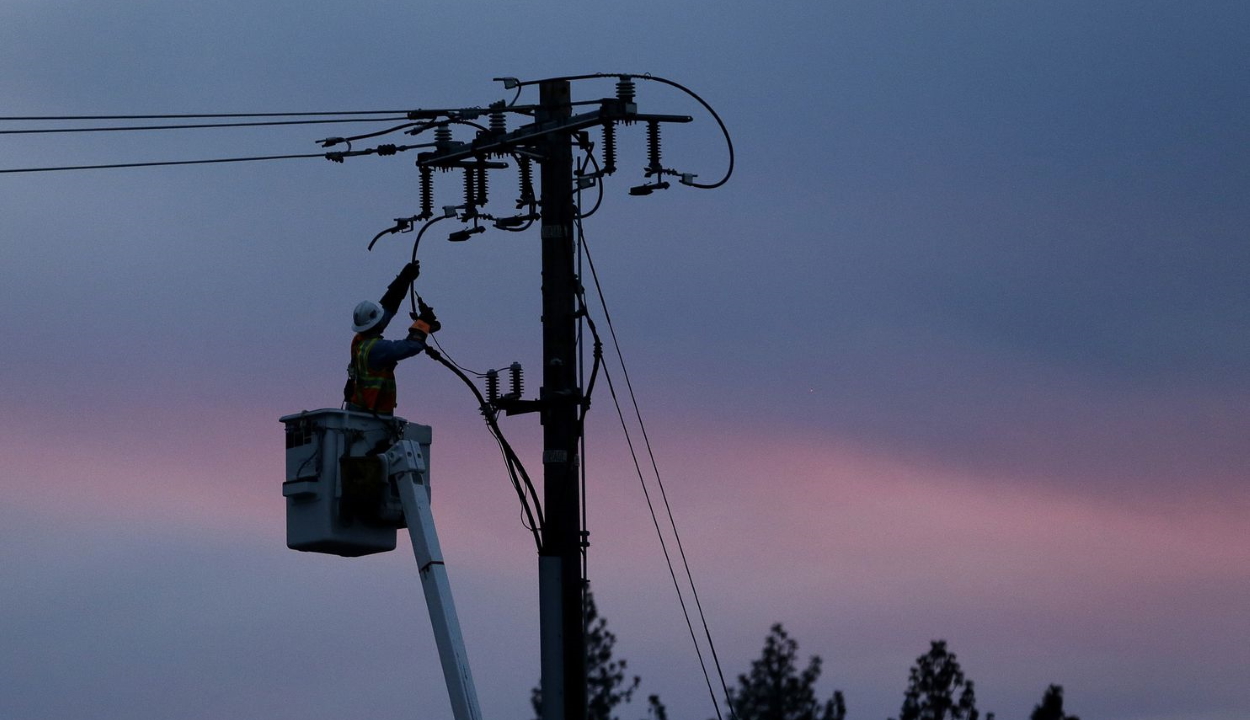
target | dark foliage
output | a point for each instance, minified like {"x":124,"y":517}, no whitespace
{"x":937,"y":688}
{"x":656,"y":709}
{"x":1051,"y":707}
{"x":775,"y":689}
{"x":606,"y":684}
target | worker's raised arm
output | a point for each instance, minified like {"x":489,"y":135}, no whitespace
{"x":388,"y":352}
{"x":395,"y":292}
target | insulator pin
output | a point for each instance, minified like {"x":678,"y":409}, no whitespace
{"x":482,"y":185}
{"x":470,"y":189}
{"x":517,"y":380}
{"x":526,"y":170}
{"x":442,"y":137}
{"x":625,"y":90}
{"x":498,"y":120}
{"x":609,"y":148}
{"x":492,"y":385}
{"x":653,"y":148}
{"x":427,"y":192}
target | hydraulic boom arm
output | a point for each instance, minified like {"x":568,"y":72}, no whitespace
{"x":406,"y":467}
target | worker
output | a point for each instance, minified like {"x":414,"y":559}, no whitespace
{"x":371,"y":375}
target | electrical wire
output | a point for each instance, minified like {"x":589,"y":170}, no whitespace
{"x":515,"y":468}
{"x":663,"y":546}
{"x":417,"y":243}
{"x":584,"y":521}
{"x":715,"y":116}
{"x":193,"y":126}
{"x":526,"y":520}
{"x":590,"y":158}
{"x":331,"y":142}
{"x":664,"y":495}
{"x":401,"y":225}
{"x":453,"y":360}
{"x":383,"y":150}
{"x":583,"y":317}
{"x":412,"y":293}
{"x":186,"y":116}
{"x":672,"y":83}
{"x":110,"y":166}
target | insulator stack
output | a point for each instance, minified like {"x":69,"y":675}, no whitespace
{"x":442,"y":137}
{"x":427,"y":192}
{"x":482,"y":185}
{"x":498,"y":120}
{"x":653,"y":148}
{"x":517,"y":380}
{"x":470,"y":189}
{"x":609,"y":148}
{"x":492,"y":385}
{"x":526,"y":169}
{"x":625,"y":90}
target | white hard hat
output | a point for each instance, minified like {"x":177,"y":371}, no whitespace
{"x":366,"y":316}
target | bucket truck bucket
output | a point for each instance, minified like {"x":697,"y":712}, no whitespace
{"x":338,"y":500}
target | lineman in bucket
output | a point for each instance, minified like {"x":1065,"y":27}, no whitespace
{"x":371,"y":375}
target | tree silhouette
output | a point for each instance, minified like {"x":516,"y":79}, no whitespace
{"x":775,"y":689}
{"x":1051,"y":707}
{"x":656,"y":709}
{"x":606,"y":683}
{"x":932,"y":686}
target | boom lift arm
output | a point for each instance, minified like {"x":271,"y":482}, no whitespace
{"x":352,"y":480}
{"x":406,"y":468}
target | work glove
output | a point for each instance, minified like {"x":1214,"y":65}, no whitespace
{"x":410,"y":272}
{"x":398,"y":288}
{"x":426,"y":313}
{"x":424,"y":322}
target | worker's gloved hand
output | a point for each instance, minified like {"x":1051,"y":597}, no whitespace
{"x":398,"y":288}
{"x":427,"y":315}
{"x":423,"y":322}
{"x":410,"y":272}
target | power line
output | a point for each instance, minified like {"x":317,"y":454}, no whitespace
{"x":111,"y":166}
{"x":75,"y":118}
{"x":515,"y":468}
{"x":671,"y":83}
{"x":196,"y":126}
{"x":663,"y":546}
{"x":663,"y":494}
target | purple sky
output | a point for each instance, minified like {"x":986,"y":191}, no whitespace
{"x":960,"y":352}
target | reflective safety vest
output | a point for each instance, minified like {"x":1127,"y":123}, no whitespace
{"x":374,"y":389}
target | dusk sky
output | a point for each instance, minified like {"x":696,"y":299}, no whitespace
{"x":960,"y":352}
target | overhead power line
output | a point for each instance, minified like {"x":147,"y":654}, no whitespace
{"x":707,"y":632}
{"x":184,"y":116}
{"x":164,"y":162}
{"x":671,"y":83}
{"x":196,"y":126}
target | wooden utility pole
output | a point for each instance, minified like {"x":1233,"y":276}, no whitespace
{"x":561,"y":584}
{"x":550,"y":140}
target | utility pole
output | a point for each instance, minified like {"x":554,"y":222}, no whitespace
{"x":561,"y":584}
{"x":550,"y":139}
